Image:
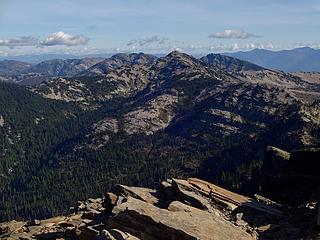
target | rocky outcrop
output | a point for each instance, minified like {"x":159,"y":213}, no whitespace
{"x":155,"y":115}
{"x":179,"y":221}
{"x":275,"y":161}
{"x":1,"y":121}
{"x":177,"y":209}
{"x":66,"y":90}
{"x":295,"y":175}
{"x":101,"y":132}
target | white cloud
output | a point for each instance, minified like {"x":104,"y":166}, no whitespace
{"x":61,"y":38}
{"x":234,"y":47}
{"x":268,"y":46}
{"x":19,"y":41}
{"x":233,"y":34}
{"x":250,"y":46}
{"x":239,"y":46}
{"x":148,"y":41}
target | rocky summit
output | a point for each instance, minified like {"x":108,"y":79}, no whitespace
{"x":176,"y":209}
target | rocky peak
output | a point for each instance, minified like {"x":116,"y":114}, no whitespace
{"x":135,"y":58}
{"x":120,"y":60}
{"x":176,"y":53}
{"x":180,"y":57}
{"x":180,"y":65}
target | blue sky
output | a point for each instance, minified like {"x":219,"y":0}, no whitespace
{"x":156,"y":26}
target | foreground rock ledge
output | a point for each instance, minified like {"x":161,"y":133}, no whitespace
{"x":177,"y":209}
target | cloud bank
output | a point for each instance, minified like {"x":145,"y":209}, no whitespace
{"x":233,"y":34}
{"x":61,"y":38}
{"x":141,"y":42}
{"x":58,"y":38}
{"x":19,"y":41}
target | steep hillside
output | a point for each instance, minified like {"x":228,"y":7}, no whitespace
{"x":312,"y":77}
{"x":31,"y":127}
{"x":230,"y":64}
{"x":11,"y":67}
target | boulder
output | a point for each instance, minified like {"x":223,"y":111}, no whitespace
{"x":88,"y":233}
{"x":33,"y":222}
{"x":89,"y":205}
{"x":230,"y":199}
{"x":119,"y":235}
{"x":90,"y":214}
{"x":105,"y":235}
{"x":179,"y":221}
{"x":184,"y":193}
{"x":144,"y":194}
{"x":165,"y":188}
{"x":110,"y":200}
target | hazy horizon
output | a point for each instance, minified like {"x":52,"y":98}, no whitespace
{"x":95,"y":27}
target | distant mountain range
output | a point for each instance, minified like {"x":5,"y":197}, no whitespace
{"x":299,"y":59}
{"x":37,"y":58}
